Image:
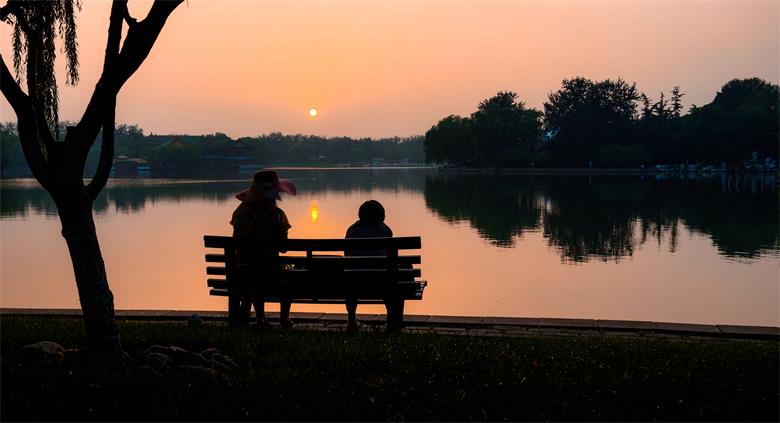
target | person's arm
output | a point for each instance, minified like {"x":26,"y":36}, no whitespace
{"x":284,"y":226}
{"x":386,"y":231}
{"x":350,"y":234}
{"x":234,"y":220}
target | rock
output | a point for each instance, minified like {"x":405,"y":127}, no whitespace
{"x":194,"y":321}
{"x":223,"y":359}
{"x":144,"y":374}
{"x":43,"y":351}
{"x":156,"y":360}
{"x":196,"y":376}
{"x":158,"y":349}
{"x":182,"y":356}
{"x":207,"y":353}
{"x":218,"y":366}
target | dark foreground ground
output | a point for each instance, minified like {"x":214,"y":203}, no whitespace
{"x":315,"y":375}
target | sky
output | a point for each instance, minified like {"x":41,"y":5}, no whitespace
{"x":394,"y":68}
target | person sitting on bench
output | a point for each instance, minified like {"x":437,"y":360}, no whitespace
{"x":371,"y":224}
{"x":258,"y":217}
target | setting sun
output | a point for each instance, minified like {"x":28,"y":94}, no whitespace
{"x":313,"y":112}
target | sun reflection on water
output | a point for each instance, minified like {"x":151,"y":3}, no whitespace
{"x":314,"y":211}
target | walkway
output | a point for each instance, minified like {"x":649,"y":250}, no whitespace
{"x":464,"y":325}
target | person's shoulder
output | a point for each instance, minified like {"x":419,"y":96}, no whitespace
{"x":240,"y":210}
{"x":386,"y":229}
{"x":352,"y":231}
{"x":281,"y":216}
{"x":279,"y":212}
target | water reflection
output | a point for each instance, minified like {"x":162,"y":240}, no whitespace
{"x":21,"y":198}
{"x":581,"y":217}
{"x":25,"y":197}
{"x":499,"y":208}
{"x":608,"y":217}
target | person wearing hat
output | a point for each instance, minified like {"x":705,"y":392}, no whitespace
{"x":258,"y":217}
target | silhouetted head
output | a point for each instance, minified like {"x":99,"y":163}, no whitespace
{"x":266,"y":185}
{"x":371,"y":212}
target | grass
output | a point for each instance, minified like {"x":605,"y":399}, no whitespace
{"x":304,"y":375}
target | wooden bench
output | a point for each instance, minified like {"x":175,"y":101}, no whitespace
{"x":316,"y":271}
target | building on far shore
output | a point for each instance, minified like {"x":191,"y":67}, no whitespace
{"x":235,"y":156}
{"x":125,"y":166}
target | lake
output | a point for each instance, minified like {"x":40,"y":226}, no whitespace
{"x":674,"y":248}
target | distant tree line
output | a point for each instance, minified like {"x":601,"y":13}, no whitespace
{"x":610,"y":124}
{"x":302,"y":149}
{"x":187,"y":153}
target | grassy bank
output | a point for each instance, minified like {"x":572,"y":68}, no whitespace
{"x":293,"y":375}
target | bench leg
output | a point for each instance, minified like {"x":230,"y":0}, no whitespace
{"x":395,"y":313}
{"x":239,"y":308}
{"x":284,"y":309}
{"x":351,"y":304}
{"x":234,"y":307}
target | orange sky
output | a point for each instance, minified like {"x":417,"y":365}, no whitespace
{"x":383,"y":68}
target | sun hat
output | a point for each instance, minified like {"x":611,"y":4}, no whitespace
{"x":266,"y":185}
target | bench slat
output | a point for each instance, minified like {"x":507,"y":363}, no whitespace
{"x":217,"y":283}
{"x":338,"y":273}
{"x":224,"y":293}
{"x":324,"y":283}
{"x":324,"y":298}
{"x":339,"y":244}
{"x":214,"y":270}
{"x":351,"y":274}
{"x":352,"y":261}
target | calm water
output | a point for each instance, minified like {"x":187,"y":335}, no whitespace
{"x":701,"y":250}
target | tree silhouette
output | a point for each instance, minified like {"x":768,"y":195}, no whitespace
{"x":450,"y":139}
{"x":742,"y":119}
{"x":59,"y":165}
{"x":501,"y":132}
{"x":504,"y":129}
{"x":586,"y":114}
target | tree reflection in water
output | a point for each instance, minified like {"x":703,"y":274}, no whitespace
{"x":608,"y":217}
{"x":582,"y":217}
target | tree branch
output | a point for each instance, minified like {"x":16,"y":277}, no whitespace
{"x":131,"y":21}
{"x":12,"y":8}
{"x":118,"y":12}
{"x":106,"y":155}
{"x":29,"y":134}
{"x":33,"y":66}
{"x":142,"y":36}
{"x":138,"y":43}
{"x":19,"y":101}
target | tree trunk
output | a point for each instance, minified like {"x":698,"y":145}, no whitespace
{"x":59,"y":166}
{"x":97,"y":301}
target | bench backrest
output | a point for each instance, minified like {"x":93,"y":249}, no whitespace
{"x":312,"y":265}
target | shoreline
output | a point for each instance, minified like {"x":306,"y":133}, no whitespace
{"x":464,"y":325}
{"x":455,"y":170}
{"x":599,"y":171}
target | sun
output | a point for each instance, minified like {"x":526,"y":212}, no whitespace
{"x":313,"y":112}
